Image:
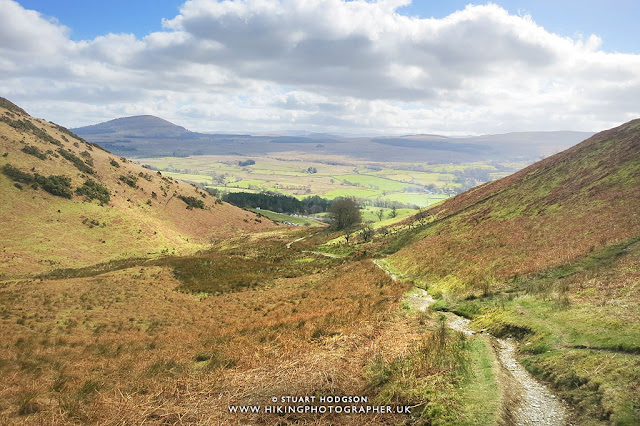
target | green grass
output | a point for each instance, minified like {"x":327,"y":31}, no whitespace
{"x":480,"y":393}
{"x":602,"y":387}
{"x":247,"y":183}
{"x":370,"y":214}
{"x":422,"y":178}
{"x":357,"y":193}
{"x":230,"y":189}
{"x":418,"y":199}
{"x":280,"y":217}
{"x":287,"y":175}
{"x":585,"y":343}
{"x":375,"y":182}
{"x":190,"y":177}
{"x":448,"y":378}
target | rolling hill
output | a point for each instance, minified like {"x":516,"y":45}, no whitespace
{"x":148,"y":136}
{"x":69,"y":203}
{"x":137,"y":126}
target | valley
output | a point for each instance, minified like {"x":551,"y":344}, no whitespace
{"x":121,"y":307}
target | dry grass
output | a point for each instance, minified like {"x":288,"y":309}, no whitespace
{"x":124,"y":347}
{"x":42,"y":232}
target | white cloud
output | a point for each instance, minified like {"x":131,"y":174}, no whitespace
{"x":324,"y":65}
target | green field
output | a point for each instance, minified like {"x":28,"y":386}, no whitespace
{"x":301,"y":175}
{"x":280,"y":217}
{"x":358,"y":193}
{"x":375,"y":182}
{"x":421,"y":200}
{"x":370,"y":214}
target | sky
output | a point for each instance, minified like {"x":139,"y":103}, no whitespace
{"x":356,"y":67}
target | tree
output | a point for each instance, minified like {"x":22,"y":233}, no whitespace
{"x":380,"y":214}
{"x":367,"y":233}
{"x":393,"y":213}
{"x":344,"y":213}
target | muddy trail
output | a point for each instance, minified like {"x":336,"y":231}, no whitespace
{"x":526,"y":401}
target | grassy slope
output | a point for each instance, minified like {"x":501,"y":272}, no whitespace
{"x":252,"y":321}
{"x":550,"y":256}
{"x":546,"y":215}
{"x":41,"y":231}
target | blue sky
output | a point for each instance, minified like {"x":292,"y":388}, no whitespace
{"x":615,"y":21}
{"x":380,"y":67}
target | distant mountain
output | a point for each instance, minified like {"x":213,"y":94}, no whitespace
{"x":147,"y":126}
{"x":149,"y":136}
{"x":69,"y":203}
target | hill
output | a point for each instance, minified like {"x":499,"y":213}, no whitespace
{"x":547,"y":256}
{"x":548,"y":214}
{"x":148,"y":136}
{"x":137,"y":126}
{"x":69,"y":203}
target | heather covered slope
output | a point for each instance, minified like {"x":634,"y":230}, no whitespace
{"x":68,"y":203}
{"x":546,"y":215}
{"x":548,"y":256}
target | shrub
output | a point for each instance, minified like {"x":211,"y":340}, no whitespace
{"x":35,"y":151}
{"x":130,"y":180}
{"x":192,"y":202}
{"x":16,"y":174}
{"x":27,"y":126}
{"x":145,"y":176}
{"x":57,"y":185}
{"x":7,"y":104}
{"x":92,"y":190}
{"x":114,"y":163}
{"x":70,"y":133}
{"x":76,"y":161}
{"x":87,"y":157}
{"x":90,"y":222}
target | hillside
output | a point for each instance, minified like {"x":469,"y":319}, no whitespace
{"x":69,"y":203}
{"x":548,"y":214}
{"x":549,"y":257}
{"x":148,"y":136}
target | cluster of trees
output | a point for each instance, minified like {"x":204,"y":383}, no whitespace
{"x":278,"y":203}
{"x":471,"y":177}
{"x":344,"y":213}
{"x":393,"y":213}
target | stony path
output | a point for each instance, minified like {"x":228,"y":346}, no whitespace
{"x":419,"y":299}
{"x":527,"y":401}
{"x":295,"y":241}
{"x":531,"y":403}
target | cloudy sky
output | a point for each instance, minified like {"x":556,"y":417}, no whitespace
{"x":356,"y":67}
